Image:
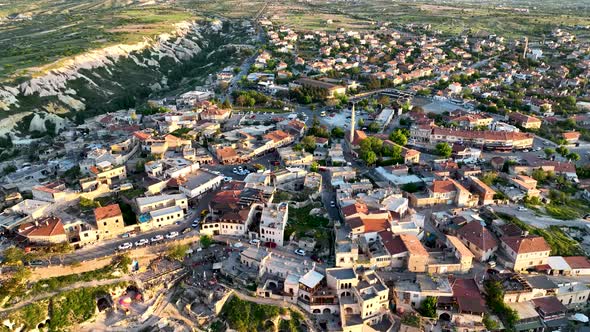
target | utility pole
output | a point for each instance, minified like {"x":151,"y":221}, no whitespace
{"x":526,"y":47}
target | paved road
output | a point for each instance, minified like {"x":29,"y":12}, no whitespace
{"x":110,"y":247}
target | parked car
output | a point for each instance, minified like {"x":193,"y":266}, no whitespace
{"x":141,"y":242}
{"x":36,"y":262}
{"x":157,"y":238}
{"x":333,"y":204}
{"x":228,"y":179}
{"x":254,"y":241}
{"x":300,"y":252}
{"x":195,"y":224}
{"x":172,"y":235}
{"x":238,"y":245}
{"x":186,"y":230}
{"x":125,"y":246}
{"x":522,"y":208}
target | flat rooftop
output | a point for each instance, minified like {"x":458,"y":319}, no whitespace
{"x":198,"y":178}
{"x":341,"y":273}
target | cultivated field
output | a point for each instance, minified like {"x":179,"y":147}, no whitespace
{"x":502,"y":18}
{"x":34,"y":33}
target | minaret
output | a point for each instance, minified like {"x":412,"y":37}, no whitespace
{"x":526,"y":47}
{"x":352,"y":124}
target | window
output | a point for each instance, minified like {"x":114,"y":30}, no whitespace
{"x":105,"y":223}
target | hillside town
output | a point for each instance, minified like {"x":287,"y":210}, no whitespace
{"x":383,"y":180}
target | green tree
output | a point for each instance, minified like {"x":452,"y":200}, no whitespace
{"x":373,"y":127}
{"x":489,"y":323}
{"x":384,"y":100}
{"x":87,"y":204}
{"x":428,"y":307}
{"x":13,"y":256}
{"x":489,"y":178}
{"x":539,"y":175}
{"x":308,"y":143}
{"x":9,"y":169}
{"x":140,"y":166}
{"x":206,"y":241}
{"x":399,"y":137}
{"x":178,"y":251}
{"x":444,"y":150}
{"x":495,"y":301}
{"x":562,"y":150}
{"x":314,"y":166}
{"x":370,"y":158}
{"x":573,"y":156}
{"x":549,"y":152}
{"x":337,"y":132}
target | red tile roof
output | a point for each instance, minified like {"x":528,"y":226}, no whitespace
{"x":523,"y":245}
{"x":413,"y":244}
{"x":50,"y":226}
{"x":468,"y":296}
{"x":523,"y":118}
{"x":443,"y":186}
{"x":227,"y":196}
{"x":357,"y":207}
{"x":571,"y":135}
{"x":140,"y":135}
{"x":482,"y":134}
{"x":226,"y":152}
{"x":393,"y":245}
{"x":359,"y":135}
{"x":479,"y":235}
{"x":276,"y":136}
{"x":108,"y":211}
{"x":549,"y":305}
{"x":578,"y":262}
{"x":372,"y":224}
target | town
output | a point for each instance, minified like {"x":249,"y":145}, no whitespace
{"x":335,"y":180}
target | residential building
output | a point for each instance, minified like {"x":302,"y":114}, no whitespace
{"x":46,"y":231}
{"x":480,"y":241}
{"x":446,"y":191}
{"x":198,"y":183}
{"x":109,"y":221}
{"x":485,"y":193}
{"x":525,"y":252}
{"x":362,"y":296}
{"x":290,"y":157}
{"x":486,"y":138}
{"x":103,"y":174}
{"x":227,"y":155}
{"x":272,"y":223}
{"x":525,"y":121}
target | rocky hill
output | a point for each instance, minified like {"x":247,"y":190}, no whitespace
{"x":123,"y":76}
